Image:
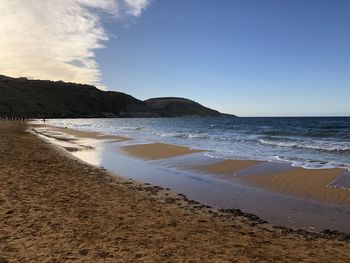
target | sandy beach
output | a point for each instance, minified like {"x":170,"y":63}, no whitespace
{"x":306,"y":183}
{"x":55,"y":208}
{"x":153,"y":151}
{"x":314,"y":184}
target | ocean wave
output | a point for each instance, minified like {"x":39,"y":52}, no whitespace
{"x":84,"y":125}
{"x":131,"y":128}
{"x":313,"y":164}
{"x":295,"y":162}
{"x":280,"y":133}
{"x":307,"y":133}
{"x":302,"y":145}
{"x":182,"y":135}
{"x":192,"y":136}
{"x":336,"y":127}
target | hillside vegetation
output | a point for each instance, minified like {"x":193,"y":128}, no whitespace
{"x":179,"y":107}
{"x":58,"y":99}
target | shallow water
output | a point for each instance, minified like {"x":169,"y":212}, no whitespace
{"x":303,"y":142}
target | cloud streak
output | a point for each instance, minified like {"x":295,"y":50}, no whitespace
{"x":56,"y":40}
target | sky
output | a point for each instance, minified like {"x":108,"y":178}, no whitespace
{"x":245,"y":57}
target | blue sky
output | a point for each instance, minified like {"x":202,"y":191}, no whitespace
{"x":251,"y":58}
{"x":246,"y":57}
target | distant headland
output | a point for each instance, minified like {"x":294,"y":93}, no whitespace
{"x":58,"y":99}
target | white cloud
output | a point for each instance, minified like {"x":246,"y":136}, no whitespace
{"x":49,"y":39}
{"x":135,"y":7}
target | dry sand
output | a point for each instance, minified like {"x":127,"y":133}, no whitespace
{"x":304,"y":183}
{"x":226,"y":168}
{"x":57,"y":209}
{"x":154,"y":151}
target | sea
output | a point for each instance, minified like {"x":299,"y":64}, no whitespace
{"x":309,"y":142}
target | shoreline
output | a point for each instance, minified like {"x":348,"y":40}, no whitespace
{"x":256,"y":173}
{"x":81,"y":212}
{"x":243,"y":144}
{"x":188,"y":171}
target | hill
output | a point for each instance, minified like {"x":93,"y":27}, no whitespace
{"x":180,"y":107}
{"x":37,"y":98}
{"x":58,"y":99}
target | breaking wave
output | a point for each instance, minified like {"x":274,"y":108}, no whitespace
{"x":326,"y":146}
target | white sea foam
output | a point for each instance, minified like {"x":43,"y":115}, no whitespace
{"x":315,"y":145}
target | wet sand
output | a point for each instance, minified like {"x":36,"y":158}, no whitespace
{"x":227,"y":167}
{"x":212,"y":181}
{"x":155,"y":151}
{"x":315,"y":184}
{"x":305,"y":183}
{"x":56,"y":208}
{"x":78,"y":134}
